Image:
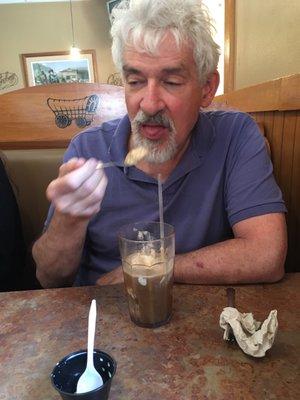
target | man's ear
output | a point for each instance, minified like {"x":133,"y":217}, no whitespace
{"x":209,"y":89}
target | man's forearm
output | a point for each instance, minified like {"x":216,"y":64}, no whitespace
{"x":58,"y":251}
{"x":233,"y":261}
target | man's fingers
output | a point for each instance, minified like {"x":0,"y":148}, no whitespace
{"x":71,"y":165}
{"x":79,"y":189}
{"x":74,"y":179}
{"x":89,"y":193}
{"x":69,"y":182}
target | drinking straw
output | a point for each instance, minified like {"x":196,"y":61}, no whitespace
{"x":161,"y":207}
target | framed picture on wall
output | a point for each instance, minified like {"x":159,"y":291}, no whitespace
{"x":110,"y":5}
{"x":59,"y":67}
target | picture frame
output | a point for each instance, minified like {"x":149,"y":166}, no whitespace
{"x":59,"y":67}
{"x":110,"y":4}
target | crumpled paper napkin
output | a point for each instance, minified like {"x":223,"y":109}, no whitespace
{"x":253,"y":337}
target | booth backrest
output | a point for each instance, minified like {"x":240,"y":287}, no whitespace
{"x":30,"y":172}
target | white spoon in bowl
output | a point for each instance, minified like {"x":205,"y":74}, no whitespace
{"x":90,"y":379}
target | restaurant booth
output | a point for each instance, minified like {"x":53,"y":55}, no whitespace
{"x":34,"y":136}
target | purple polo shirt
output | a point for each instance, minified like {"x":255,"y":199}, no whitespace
{"x":224,"y":177}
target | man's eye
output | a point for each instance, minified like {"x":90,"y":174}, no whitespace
{"x":170,"y":83}
{"x":134,"y":83}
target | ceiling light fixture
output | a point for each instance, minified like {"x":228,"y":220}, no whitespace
{"x":74,"y":51}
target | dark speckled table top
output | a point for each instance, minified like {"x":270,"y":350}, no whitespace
{"x":185,"y":359}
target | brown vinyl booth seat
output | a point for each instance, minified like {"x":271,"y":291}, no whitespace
{"x":30,"y":172}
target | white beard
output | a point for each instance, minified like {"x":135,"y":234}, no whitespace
{"x":158,"y":151}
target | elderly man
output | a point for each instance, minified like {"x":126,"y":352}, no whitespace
{"x":218,"y":187}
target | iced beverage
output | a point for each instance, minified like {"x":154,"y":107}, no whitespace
{"x":148,"y":285}
{"x":148,"y":275}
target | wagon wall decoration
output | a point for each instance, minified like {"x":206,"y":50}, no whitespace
{"x":8,"y":79}
{"x":81,"y":110}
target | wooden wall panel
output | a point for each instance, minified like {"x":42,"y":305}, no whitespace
{"x":269,"y":124}
{"x":278,"y":94}
{"x":282,"y":129}
{"x":293,"y":260}
{"x":27,"y":122}
{"x":276,"y":143}
{"x":286,"y":170}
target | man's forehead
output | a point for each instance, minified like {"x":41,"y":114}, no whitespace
{"x":178,"y":68}
{"x":171,"y":62}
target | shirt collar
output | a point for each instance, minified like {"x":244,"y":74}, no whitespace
{"x":118,"y":147}
{"x":202,"y":138}
{"x":204,"y":135}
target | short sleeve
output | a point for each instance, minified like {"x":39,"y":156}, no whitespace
{"x":250,"y":187}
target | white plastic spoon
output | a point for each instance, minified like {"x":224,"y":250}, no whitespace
{"x":90,"y":379}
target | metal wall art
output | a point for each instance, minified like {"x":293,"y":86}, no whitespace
{"x":8,"y":79}
{"x":115,"y":79}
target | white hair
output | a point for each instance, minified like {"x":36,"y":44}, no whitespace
{"x":144,"y":23}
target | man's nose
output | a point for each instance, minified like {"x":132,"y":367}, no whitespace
{"x":152,"y":101}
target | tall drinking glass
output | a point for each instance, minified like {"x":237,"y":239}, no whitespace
{"x":148,"y":262}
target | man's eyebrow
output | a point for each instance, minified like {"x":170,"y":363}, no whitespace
{"x":168,"y":71}
{"x":130,"y":70}
{"x":174,"y":70}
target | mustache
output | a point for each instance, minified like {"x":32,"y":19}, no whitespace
{"x":158,"y":119}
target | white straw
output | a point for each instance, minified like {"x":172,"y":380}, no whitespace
{"x":161,"y":207}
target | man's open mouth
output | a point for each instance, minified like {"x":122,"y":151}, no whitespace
{"x":153,"y":132}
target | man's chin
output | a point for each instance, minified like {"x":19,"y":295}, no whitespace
{"x":159,"y":156}
{"x":159,"y":150}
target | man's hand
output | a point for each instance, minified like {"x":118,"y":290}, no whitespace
{"x":79,"y":189}
{"x":111,"y":278}
{"x":77,"y":194}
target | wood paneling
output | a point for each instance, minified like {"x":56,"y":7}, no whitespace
{"x":290,"y":93}
{"x":283,"y":132}
{"x":294,"y":208}
{"x":277,"y":139}
{"x":276,"y":106}
{"x":278,"y":94}
{"x":26,"y":121}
